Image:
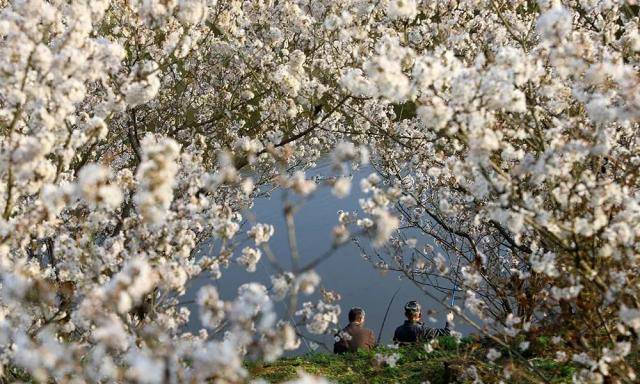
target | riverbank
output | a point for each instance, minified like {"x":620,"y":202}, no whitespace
{"x":447,"y":363}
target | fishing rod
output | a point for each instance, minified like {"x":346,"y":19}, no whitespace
{"x":386,"y":314}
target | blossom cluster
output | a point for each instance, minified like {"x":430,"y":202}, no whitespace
{"x":134,"y":135}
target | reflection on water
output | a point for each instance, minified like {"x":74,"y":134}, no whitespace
{"x":346,"y":272}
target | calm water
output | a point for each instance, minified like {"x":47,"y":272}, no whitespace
{"x":357,"y":281}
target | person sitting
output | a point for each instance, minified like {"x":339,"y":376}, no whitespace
{"x":354,"y":336}
{"x":413,"y":330}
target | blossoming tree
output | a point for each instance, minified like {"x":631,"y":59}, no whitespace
{"x":503,"y":135}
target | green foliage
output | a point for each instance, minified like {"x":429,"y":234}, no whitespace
{"x":404,"y":111}
{"x":414,"y":366}
{"x":13,"y":374}
{"x":554,"y":369}
{"x":445,"y":364}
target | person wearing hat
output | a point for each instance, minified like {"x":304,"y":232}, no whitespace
{"x":354,"y":336}
{"x":413,"y":330}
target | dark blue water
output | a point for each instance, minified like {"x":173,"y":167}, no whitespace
{"x":346,"y":272}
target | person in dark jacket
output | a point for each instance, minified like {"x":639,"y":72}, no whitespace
{"x":354,"y":336}
{"x":413,"y":330}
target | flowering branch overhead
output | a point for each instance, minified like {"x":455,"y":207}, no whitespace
{"x":133,"y":133}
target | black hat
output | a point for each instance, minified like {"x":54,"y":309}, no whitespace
{"x":412,"y":307}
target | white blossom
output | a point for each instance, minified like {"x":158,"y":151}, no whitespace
{"x":341,"y":187}
{"x":94,"y":187}
{"x":389,"y":360}
{"x":493,"y":355}
{"x":249,"y":258}
{"x":397,"y":9}
{"x":261,"y":233}
{"x":211,"y":307}
{"x":156,"y":175}
{"x":307,"y":282}
{"x":385,"y":225}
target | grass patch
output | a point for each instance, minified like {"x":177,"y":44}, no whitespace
{"x":362,"y":367}
{"x":446,"y":364}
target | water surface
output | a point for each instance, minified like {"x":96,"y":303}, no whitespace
{"x":355,"y":279}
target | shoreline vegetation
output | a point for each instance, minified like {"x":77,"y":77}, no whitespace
{"x":444,"y":360}
{"x":447,"y":362}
